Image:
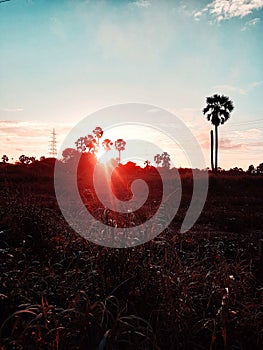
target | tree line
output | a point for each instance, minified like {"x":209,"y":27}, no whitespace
{"x":217,"y":110}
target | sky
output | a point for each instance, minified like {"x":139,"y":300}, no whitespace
{"x":62,"y":60}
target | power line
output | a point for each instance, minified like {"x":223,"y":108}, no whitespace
{"x":53,"y":144}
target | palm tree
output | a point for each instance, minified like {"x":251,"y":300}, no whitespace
{"x":158,"y":159}
{"x":120,"y":146}
{"x":106,"y":144}
{"x":166,"y":160}
{"x":218,"y":111}
{"x":98,"y":133}
{"x":81,"y":144}
{"x":91,"y":144}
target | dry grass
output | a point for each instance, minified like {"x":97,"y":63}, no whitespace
{"x":200,"y":290}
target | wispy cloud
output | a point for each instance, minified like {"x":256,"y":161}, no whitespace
{"x":226,"y":143}
{"x":34,"y":136}
{"x":12,"y":109}
{"x":226,"y":9}
{"x":142,"y":3}
{"x":137,"y":38}
{"x":250,"y":24}
{"x":236,"y":89}
{"x":250,"y":134}
{"x":255,"y":84}
{"x":230,"y":88}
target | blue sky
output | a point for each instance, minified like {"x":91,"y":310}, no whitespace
{"x":61,"y":60}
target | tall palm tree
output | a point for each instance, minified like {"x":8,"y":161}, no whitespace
{"x":91,"y":144}
{"x":98,"y":133}
{"x":120,"y":146}
{"x":218,"y":111}
{"x":106,"y":144}
{"x":158,"y":159}
{"x":81,"y":143}
{"x":166,"y":160}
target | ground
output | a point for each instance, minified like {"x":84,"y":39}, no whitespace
{"x":198,"y":290}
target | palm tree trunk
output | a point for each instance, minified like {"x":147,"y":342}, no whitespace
{"x":212,"y":150}
{"x":216,"y":147}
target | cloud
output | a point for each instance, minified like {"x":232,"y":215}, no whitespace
{"x":236,"y":89}
{"x":250,"y":24}
{"x":255,"y":84}
{"x":197,"y":15}
{"x":230,"y":88}
{"x":136,"y":38}
{"x":29,"y":137}
{"x":142,"y":3}
{"x":11,"y":109}
{"x":226,"y":9}
{"x":248,"y":134}
{"x":226,"y":144}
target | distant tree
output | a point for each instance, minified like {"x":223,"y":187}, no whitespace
{"x":26,"y":160}
{"x":218,"y":111}
{"x":260,"y":168}
{"x":98,"y":133}
{"x":236,"y":170}
{"x":107,"y":143}
{"x":251,"y":169}
{"x":120,"y":146}
{"x":68,"y":154}
{"x":23,"y":159}
{"x":81,"y":144}
{"x":147,"y":164}
{"x":158,"y":159}
{"x":166,"y":160}
{"x":5,"y":159}
{"x":91,"y":144}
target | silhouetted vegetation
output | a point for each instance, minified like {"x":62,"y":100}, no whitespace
{"x":218,"y":111}
{"x":198,"y":290}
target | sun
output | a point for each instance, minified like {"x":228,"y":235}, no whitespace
{"x":101,"y":155}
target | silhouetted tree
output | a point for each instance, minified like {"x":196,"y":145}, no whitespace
{"x":120,"y":146}
{"x":166,"y":160}
{"x":237,"y":169}
{"x":91,"y":144}
{"x":81,"y":144}
{"x":69,"y":153}
{"x":5,"y":159}
{"x":107,"y":143}
{"x":26,"y":160}
{"x":260,"y":168}
{"x":158,"y":159}
{"x":98,"y":133}
{"x":218,"y":111}
{"x":251,"y":169}
{"x":147,"y":164}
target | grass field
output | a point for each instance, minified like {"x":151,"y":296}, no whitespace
{"x":198,"y":290}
